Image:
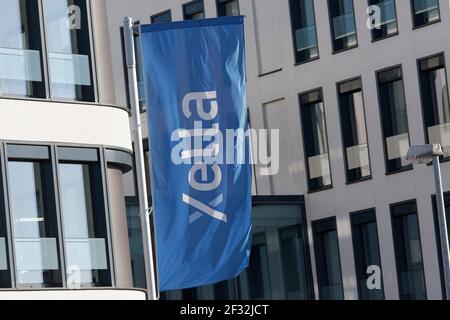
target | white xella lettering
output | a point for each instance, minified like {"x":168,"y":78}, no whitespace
{"x":204,"y":176}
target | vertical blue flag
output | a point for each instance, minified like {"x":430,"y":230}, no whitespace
{"x":197,"y":119}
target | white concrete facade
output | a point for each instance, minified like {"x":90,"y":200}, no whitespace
{"x":274,"y":82}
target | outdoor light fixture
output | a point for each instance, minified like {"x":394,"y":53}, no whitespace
{"x":424,"y":154}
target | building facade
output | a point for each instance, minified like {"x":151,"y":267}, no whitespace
{"x":349,"y":100}
{"x":65,"y":145}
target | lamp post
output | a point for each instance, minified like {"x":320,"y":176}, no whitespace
{"x":425,"y":154}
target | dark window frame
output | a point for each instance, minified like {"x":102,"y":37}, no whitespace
{"x":160,"y":14}
{"x":328,"y":187}
{"x":191,"y":3}
{"x":293,"y":201}
{"x":388,"y":35}
{"x":413,"y":22}
{"x":438,"y":237}
{"x":219,"y":2}
{"x":319,"y":227}
{"x":358,"y":218}
{"x":330,"y":22}
{"x":45,"y":65}
{"x":338,"y":91}
{"x":377,"y":73}
{"x":419,"y":79}
{"x":85,"y":157}
{"x":399,"y":260}
{"x":32,"y":151}
{"x":294,"y":45}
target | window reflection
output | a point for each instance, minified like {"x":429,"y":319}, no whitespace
{"x":35,"y":232}
{"x":388,"y":23}
{"x":435,"y":100}
{"x":21,"y":72}
{"x":315,"y":140}
{"x":84,"y":223}
{"x":194,"y":10}
{"x":5,"y":274}
{"x":69,"y":49}
{"x":394,"y":119}
{"x":354,"y":134}
{"x":304,"y":27}
{"x":408,"y":252}
{"x":227,"y":8}
{"x":343,"y":25}
{"x":425,"y":12}
{"x":328,"y":263}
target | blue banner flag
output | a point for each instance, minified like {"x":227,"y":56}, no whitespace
{"x":197,"y":120}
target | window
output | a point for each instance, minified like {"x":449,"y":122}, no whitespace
{"x":438,"y":236}
{"x":33,"y":217}
{"x":258,"y":281}
{"x":342,"y":21}
{"x":353,"y":126}
{"x":304,"y":30}
{"x":280,"y":264}
{"x":366,"y":251}
{"x":394,"y":118}
{"x":295,"y":263}
{"x":165,"y":16}
{"x":136,"y":242}
{"x":328,"y":263}
{"x":315,"y":140}
{"x":69,"y":50}
{"x":227,"y":8}
{"x":84,"y":217}
{"x":5,"y":272}
{"x":425,"y":12}
{"x":408,"y":251}
{"x":435,"y":100}
{"x":21,"y":70}
{"x":139,"y":70}
{"x":388,"y":24}
{"x":194,"y":10}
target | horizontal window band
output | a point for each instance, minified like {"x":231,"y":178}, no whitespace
{"x":28,"y":152}
{"x":77,"y":154}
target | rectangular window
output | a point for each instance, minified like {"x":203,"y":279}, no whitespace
{"x":342,"y":22}
{"x":139,"y":70}
{"x":315,"y":140}
{"x":258,"y":281}
{"x":84,"y":221}
{"x":435,"y":100}
{"x":194,"y":10}
{"x":165,"y":16}
{"x":367,"y":253}
{"x":408,"y":251}
{"x":227,"y":8}
{"x":304,"y":30}
{"x":388,"y":23}
{"x":328,"y":263}
{"x":354,"y":134}
{"x":21,"y":69}
{"x":438,"y":236}
{"x":424,"y":12}
{"x":69,"y":51}
{"x":5,"y":272}
{"x":34,"y":219}
{"x":295,"y":263}
{"x":394,"y":119}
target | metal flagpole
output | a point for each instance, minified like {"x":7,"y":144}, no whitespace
{"x":442,"y":224}
{"x":144,"y":209}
